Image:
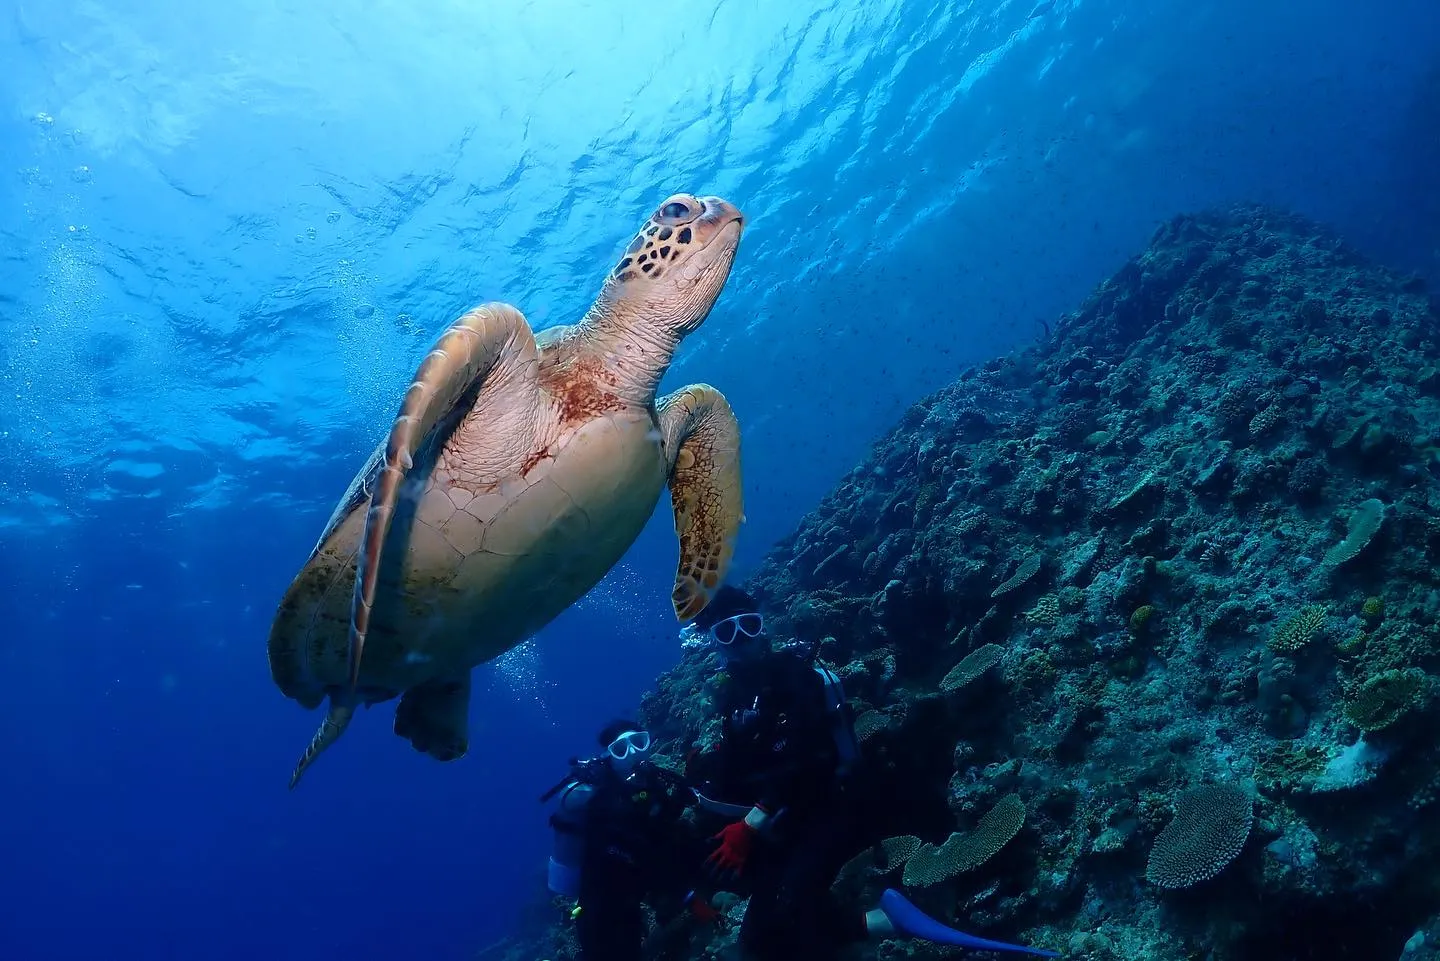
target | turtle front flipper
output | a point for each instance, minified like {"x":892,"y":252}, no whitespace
{"x":492,"y":343}
{"x":702,"y":440}
{"x":435,"y":717}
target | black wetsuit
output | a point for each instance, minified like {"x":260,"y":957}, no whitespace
{"x":778,"y":749}
{"x":636,"y":848}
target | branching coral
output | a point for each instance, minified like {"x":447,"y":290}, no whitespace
{"x":1298,"y":630}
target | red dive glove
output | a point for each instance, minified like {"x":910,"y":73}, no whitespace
{"x":735,"y":842}
{"x":702,"y":911}
{"x":734,"y":850}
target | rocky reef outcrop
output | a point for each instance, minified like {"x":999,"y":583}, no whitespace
{"x":1140,"y":622}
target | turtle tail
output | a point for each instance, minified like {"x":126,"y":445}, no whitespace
{"x":337,"y":718}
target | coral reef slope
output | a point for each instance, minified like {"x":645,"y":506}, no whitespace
{"x":1140,"y":622}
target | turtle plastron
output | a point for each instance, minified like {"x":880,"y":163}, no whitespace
{"x":490,"y":341}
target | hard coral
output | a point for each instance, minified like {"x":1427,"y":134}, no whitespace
{"x":1028,"y":568}
{"x":1364,"y":524}
{"x":932,"y":864}
{"x":1307,"y":480}
{"x":974,"y":664}
{"x":1211,"y":825}
{"x":887,"y":857}
{"x":996,"y":829}
{"x":1385,"y":698}
{"x":1296,"y":632}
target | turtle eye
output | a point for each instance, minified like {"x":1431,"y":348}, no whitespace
{"x":675,"y":210}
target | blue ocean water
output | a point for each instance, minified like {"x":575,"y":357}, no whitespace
{"x":230,"y":232}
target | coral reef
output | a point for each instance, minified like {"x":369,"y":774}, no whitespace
{"x":1160,"y":591}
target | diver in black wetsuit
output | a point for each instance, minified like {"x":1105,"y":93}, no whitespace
{"x":619,"y":841}
{"x":784,"y":768}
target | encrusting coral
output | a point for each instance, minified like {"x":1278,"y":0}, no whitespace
{"x":1196,"y":533}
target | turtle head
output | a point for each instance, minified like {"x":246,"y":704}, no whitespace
{"x":674,"y":269}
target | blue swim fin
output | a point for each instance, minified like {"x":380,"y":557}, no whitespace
{"x":910,"y":920}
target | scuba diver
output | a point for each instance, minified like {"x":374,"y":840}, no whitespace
{"x":619,"y":841}
{"x":785,"y":774}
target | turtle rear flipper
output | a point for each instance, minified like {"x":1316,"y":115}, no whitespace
{"x":702,"y":438}
{"x":337,"y":718}
{"x":435,"y":717}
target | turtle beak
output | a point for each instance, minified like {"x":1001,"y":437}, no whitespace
{"x":721,"y":212}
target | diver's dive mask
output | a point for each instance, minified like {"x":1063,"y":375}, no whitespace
{"x":735,"y":628}
{"x":737,"y":638}
{"x":628,"y":751}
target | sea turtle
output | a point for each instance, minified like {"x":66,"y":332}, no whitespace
{"x":518,"y":470}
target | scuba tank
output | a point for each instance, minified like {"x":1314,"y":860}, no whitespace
{"x":571,"y":819}
{"x":842,"y":728}
{"x":837,"y":707}
{"x":568,"y":822}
